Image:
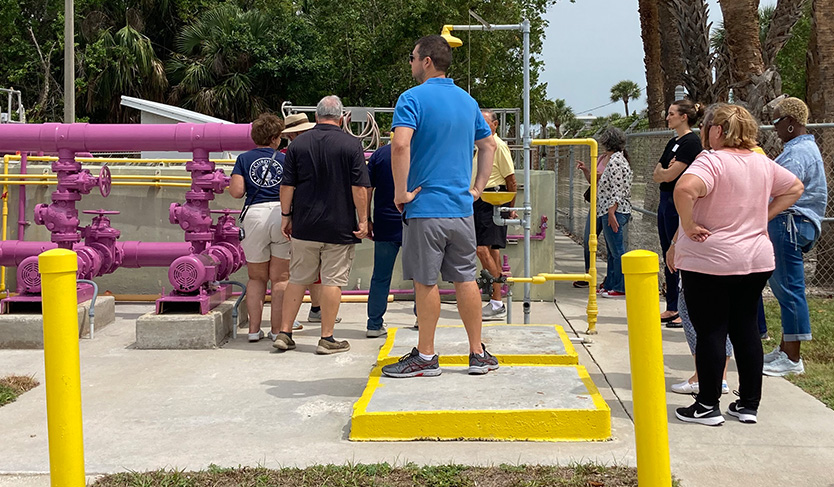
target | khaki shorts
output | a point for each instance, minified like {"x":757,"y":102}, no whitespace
{"x":311,"y":259}
{"x":262,"y":233}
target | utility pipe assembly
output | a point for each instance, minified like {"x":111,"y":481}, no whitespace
{"x":211,"y":251}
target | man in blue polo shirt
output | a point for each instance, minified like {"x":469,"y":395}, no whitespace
{"x":436,"y":125}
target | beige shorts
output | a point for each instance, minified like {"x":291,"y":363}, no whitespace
{"x":311,"y":259}
{"x":262,"y":233}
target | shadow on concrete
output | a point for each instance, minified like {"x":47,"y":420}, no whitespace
{"x":296,"y":389}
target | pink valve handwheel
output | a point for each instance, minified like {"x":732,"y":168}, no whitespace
{"x":104,"y":181}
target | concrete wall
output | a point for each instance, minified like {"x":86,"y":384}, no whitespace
{"x":145,"y":217}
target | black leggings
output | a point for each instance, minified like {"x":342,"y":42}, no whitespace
{"x":718,"y":306}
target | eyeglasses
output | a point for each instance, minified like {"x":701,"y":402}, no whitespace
{"x":411,"y":57}
{"x":779,"y":119}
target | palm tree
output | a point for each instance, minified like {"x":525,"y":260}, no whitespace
{"x":650,"y":26}
{"x":820,"y":87}
{"x":671,"y":56}
{"x":691,"y":20}
{"x":562,"y":114}
{"x":625,"y":90}
{"x":119,"y":59}
{"x":213,"y":67}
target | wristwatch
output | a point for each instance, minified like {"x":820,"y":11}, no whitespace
{"x":286,"y":214}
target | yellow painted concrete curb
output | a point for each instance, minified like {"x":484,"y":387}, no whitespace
{"x":569,"y":358}
{"x":491,"y":425}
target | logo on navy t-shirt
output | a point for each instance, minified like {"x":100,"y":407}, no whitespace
{"x":266,"y":172}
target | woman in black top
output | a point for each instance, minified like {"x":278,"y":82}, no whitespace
{"x":679,"y":153}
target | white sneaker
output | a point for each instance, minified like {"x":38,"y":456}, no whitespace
{"x":775,"y":354}
{"x":783,"y":366}
{"x":686,"y":387}
{"x":296,"y":325}
{"x":315,"y":317}
{"x":488,"y":313}
{"x":377,"y":333}
{"x":254,"y":337}
{"x":725,"y":389}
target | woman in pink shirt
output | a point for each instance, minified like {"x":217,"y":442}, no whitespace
{"x":725,"y":200}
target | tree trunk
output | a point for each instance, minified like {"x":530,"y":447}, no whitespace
{"x":671,"y":62}
{"x":650,"y":26}
{"x":820,"y":99}
{"x":820,"y":85}
{"x":625,"y":102}
{"x":741,"y":23}
{"x":692,"y":23}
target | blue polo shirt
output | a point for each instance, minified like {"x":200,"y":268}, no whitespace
{"x":446,"y":122}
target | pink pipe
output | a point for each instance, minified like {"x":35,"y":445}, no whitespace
{"x":152,"y":254}
{"x":136,"y":254}
{"x":21,"y":203}
{"x":84,"y":137}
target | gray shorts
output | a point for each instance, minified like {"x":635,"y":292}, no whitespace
{"x":433,"y":246}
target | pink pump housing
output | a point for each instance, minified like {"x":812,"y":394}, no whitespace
{"x":211,"y":251}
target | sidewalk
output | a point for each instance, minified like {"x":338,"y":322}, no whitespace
{"x":245,"y":405}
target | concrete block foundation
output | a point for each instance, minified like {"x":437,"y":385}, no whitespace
{"x":189,"y":331}
{"x":25,"y":331}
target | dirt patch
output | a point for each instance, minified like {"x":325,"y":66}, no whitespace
{"x":13,"y":386}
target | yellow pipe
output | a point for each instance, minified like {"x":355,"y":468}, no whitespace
{"x":640,"y":268}
{"x":5,"y":222}
{"x":593,"y":309}
{"x":29,"y":183}
{"x":566,"y":277}
{"x":116,"y":183}
{"x":532,"y":280}
{"x":115,"y":177}
{"x":62,"y":367}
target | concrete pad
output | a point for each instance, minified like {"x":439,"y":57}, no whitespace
{"x":546,"y":403}
{"x":25,"y":331}
{"x":511,"y":344}
{"x":187,"y":331}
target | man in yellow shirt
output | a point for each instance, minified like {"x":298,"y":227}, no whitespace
{"x":489,"y":236}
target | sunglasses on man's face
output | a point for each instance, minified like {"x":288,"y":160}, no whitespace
{"x":778,"y":119}
{"x":411,"y":57}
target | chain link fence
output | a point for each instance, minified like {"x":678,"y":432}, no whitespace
{"x":645,"y":149}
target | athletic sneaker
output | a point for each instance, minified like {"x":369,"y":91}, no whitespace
{"x":488,"y":313}
{"x":378,"y":332}
{"x":745,"y":415}
{"x":412,"y":365}
{"x":580,"y":284}
{"x":698,"y":413}
{"x":612,"y":294}
{"x":315,"y":317}
{"x":687,"y":387}
{"x":783,"y":366}
{"x":284,"y":342}
{"x":481,"y":365}
{"x":254,"y":337}
{"x":326,"y":347}
{"x":775,"y":354}
{"x":296,"y":325}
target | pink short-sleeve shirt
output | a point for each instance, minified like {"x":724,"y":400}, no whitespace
{"x":739,"y":188}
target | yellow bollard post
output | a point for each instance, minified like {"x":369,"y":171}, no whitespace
{"x":651,"y":432}
{"x":63,"y":371}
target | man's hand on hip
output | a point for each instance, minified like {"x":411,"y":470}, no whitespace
{"x":401,"y":199}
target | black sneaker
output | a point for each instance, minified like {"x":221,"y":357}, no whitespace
{"x":745,"y":415}
{"x":482,"y":365}
{"x":412,"y":365}
{"x":698,"y":413}
{"x":580,"y":284}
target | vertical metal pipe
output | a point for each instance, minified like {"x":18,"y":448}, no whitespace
{"x":570,"y":192}
{"x":21,"y":202}
{"x":69,"y":61}
{"x":525,"y":29}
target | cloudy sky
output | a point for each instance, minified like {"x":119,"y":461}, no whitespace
{"x":593,"y":44}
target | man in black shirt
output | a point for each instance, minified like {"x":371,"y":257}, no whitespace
{"x":323,"y":194}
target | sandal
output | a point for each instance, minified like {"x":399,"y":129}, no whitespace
{"x":670,"y":318}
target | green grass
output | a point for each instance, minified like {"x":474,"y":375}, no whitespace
{"x":383,"y":475}
{"x":818,"y":354}
{"x":13,"y":386}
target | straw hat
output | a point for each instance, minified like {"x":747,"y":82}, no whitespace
{"x":297,"y":122}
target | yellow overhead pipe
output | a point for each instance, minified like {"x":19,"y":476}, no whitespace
{"x":125,"y":160}
{"x":114,"y":177}
{"x":446,"y":33}
{"x":591,"y":277}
